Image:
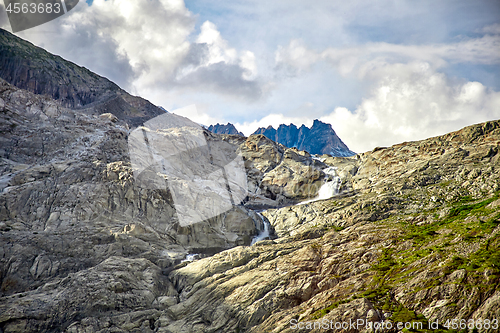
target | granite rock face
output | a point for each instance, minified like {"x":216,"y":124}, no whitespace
{"x":76,"y":222}
{"x":319,"y":139}
{"x":278,"y":175}
{"x":412,"y":236}
{"x":69,"y":200}
{"x":32,"y":68}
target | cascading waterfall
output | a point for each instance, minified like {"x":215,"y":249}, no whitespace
{"x":329,"y":188}
{"x":263,"y":234}
{"x":191,"y":257}
{"x":332,"y":185}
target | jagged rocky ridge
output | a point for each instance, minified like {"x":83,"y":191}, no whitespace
{"x":34,"y":69}
{"x":319,"y":139}
{"x":224,"y":129}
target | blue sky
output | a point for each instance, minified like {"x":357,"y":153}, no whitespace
{"x":380,"y":72}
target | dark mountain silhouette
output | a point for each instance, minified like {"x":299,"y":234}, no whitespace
{"x":29,"y":67}
{"x":224,"y":129}
{"x":319,"y":139}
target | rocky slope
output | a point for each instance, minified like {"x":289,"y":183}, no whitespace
{"x":66,"y":178}
{"x":413,"y":238}
{"x":72,"y":210}
{"x":319,"y":139}
{"x":34,"y":69}
{"x":278,"y":175}
{"x":413,"y":235}
{"x":224,"y":129}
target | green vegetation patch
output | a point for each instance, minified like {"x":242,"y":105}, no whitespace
{"x":468,"y":219}
{"x":423,"y":234}
{"x":487,"y":257}
{"x":464,"y":210}
{"x":323,"y":312}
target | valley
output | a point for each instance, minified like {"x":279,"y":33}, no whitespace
{"x":95,"y":235}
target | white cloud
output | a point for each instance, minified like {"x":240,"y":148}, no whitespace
{"x":410,"y":102}
{"x":247,"y":61}
{"x":274,"y":120}
{"x":219,"y":50}
{"x":121,"y":40}
{"x":195,"y":114}
{"x":211,"y":65}
{"x":483,"y":50}
{"x":297,"y":55}
{"x":409,"y":99}
{"x":492,"y":29}
{"x":144,"y":46}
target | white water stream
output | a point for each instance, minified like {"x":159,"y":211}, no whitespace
{"x":263,"y":233}
{"x":330,"y":188}
{"x":191,"y":257}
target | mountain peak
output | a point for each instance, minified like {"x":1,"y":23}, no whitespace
{"x":319,"y":139}
{"x":32,"y":68}
{"x":224,"y":129}
{"x":318,"y":122}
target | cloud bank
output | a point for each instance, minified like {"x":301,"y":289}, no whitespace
{"x":146,"y":45}
{"x":410,"y":71}
{"x":409,"y":98}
